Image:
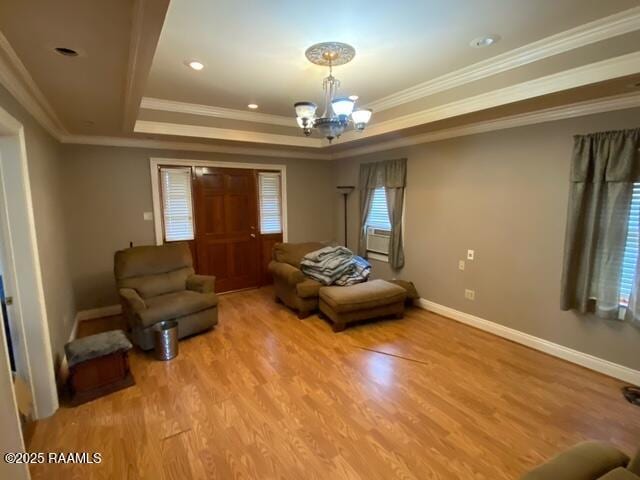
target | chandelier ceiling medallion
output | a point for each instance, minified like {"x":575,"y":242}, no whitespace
{"x":338,"y":111}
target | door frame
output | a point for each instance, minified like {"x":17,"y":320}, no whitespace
{"x":156,"y":162}
{"x":12,"y":439}
{"x":27,"y":315}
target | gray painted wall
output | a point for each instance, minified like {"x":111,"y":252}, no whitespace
{"x":503,"y":194}
{"x":108,"y":189}
{"x":44,"y":159}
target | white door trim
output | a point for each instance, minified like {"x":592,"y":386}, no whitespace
{"x":11,"y":439}
{"x":155,"y":162}
{"x":22,"y":248}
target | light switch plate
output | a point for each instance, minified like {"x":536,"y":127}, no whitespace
{"x":148,"y":216}
{"x":460,"y":264}
{"x":470,"y":254}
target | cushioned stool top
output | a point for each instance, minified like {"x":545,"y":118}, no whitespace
{"x":362,"y":296}
{"x":95,"y":346}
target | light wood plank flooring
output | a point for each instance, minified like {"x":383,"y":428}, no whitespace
{"x":266,"y":395}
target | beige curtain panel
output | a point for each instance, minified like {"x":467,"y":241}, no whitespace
{"x":392,"y":175}
{"x":604,"y":167}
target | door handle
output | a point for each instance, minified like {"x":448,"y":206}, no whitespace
{"x":252,"y":235}
{"x":8,"y":300}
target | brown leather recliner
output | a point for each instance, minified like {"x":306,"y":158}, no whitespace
{"x":292,"y":287}
{"x":157,"y":283}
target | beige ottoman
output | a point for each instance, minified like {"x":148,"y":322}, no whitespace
{"x":364,"y":301}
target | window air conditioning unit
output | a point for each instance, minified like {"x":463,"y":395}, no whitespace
{"x":378,"y":240}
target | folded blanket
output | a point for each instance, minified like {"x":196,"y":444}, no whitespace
{"x":335,"y":266}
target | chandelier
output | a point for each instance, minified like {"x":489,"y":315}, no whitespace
{"x":339,"y":112}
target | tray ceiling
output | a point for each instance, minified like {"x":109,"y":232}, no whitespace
{"x":413,"y":64}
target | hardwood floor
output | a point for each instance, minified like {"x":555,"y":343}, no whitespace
{"x":266,"y":395}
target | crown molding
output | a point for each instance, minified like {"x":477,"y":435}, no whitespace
{"x":576,"y":77}
{"x":125,"y":142}
{"x":583,"y":35}
{"x":619,"y":102}
{"x":609,"y":104}
{"x":17,"y":80}
{"x":183,"y":130}
{"x":587,"y":74}
{"x":147,"y":21}
{"x":149,"y":103}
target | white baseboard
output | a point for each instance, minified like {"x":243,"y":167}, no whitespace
{"x":63,"y":369}
{"x":98,"y":312}
{"x":600,"y":365}
{"x":74,"y":329}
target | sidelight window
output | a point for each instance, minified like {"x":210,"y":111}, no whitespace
{"x":270,"y":203}
{"x":177,"y":204}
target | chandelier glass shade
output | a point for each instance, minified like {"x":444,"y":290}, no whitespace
{"x":338,"y":112}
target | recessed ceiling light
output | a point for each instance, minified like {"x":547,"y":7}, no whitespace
{"x":353,"y":98}
{"x":67,"y":52}
{"x":485,"y":41}
{"x":252,"y":106}
{"x":195,"y":65}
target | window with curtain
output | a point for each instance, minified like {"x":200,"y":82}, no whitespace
{"x":600,"y":273}
{"x":381,"y":185}
{"x":378,"y":212}
{"x":378,"y":224}
{"x":630,"y":258}
{"x":177,"y":207}
{"x":270,"y":199}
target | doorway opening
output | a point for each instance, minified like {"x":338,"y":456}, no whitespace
{"x":25,"y":331}
{"x":5,"y":322}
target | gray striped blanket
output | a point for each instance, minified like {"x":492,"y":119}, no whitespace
{"x":335,"y":266}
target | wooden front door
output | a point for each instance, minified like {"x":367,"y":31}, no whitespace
{"x":226,"y":215}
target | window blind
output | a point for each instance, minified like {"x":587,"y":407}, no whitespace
{"x":270,"y":202}
{"x":629,"y":261}
{"x":378,"y":214}
{"x":177,"y":208}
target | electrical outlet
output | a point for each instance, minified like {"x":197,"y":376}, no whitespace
{"x":470,"y":294}
{"x":460,"y":264}
{"x":148,"y":216}
{"x":470,"y":254}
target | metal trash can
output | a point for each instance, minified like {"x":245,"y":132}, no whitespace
{"x":166,"y":339}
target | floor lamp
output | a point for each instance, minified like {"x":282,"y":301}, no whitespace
{"x":345,"y":190}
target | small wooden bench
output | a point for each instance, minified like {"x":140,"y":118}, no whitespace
{"x":98,"y":365}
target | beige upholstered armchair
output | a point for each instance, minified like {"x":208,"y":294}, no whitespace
{"x":292,"y":287}
{"x":588,"y":461}
{"x":158,"y":283}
